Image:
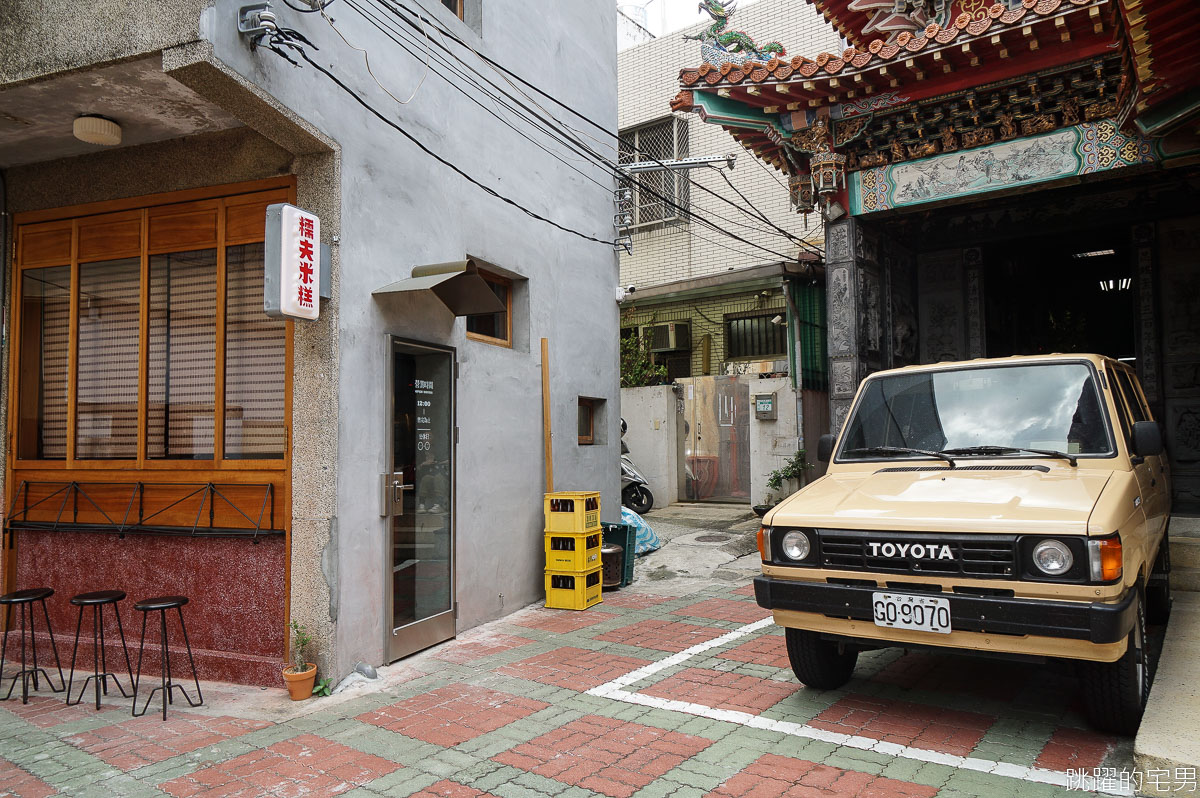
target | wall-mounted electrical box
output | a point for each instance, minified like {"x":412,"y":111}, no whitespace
{"x":764,"y":406}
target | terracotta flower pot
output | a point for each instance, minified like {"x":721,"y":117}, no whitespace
{"x":300,"y":683}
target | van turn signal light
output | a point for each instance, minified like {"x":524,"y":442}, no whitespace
{"x":1106,"y":559}
{"x":762,"y":539}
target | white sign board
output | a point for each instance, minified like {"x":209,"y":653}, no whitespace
{"x":292,"y":263}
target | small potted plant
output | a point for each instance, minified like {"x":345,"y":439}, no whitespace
{"x":792,"y":472}
{"x":300,"y":673}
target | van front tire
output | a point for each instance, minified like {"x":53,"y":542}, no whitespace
{"x":1116,"y":692}
{"x":818,"y":663}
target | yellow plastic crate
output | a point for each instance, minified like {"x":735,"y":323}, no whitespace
{"x":576,"y":591}
{"x":571,"y":551}
{"x":573,"y":511}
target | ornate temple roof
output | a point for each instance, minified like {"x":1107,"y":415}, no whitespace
{"x":1162,"y":36}
{"x":938,"y":60}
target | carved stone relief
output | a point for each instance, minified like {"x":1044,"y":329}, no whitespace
{"x":870,"y":319}
{"x":941,"y":312}
{"x":841,"y":311}
{"x":1178,"y":240}
{"x":1143,"y":242}
{"x":904,"y":314}
{"x":973,"y":266}
{"x":841,"y":379}
{"x":838,"y":410}
{"x":837,"y":241}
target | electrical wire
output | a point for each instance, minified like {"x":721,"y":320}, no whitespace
{"x":367,"y":61}
{"x":318,"y":10}
{"x":284,"y":37}
{"x":547,"y":127}
{"x":504,"y":70}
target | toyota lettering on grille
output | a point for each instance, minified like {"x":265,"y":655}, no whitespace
{"x":917,"y":551}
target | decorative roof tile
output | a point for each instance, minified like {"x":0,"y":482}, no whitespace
{"x":878,"y":52}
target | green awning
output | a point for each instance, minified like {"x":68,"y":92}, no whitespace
{"x":457,"y":284}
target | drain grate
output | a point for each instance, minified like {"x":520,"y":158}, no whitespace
{"x":712,"y":538}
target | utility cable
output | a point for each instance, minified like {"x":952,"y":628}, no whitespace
{"x":548,"y":126}
{"x":558,"y":137}
{"x":284,"y":37}
{"x":502,"y":69}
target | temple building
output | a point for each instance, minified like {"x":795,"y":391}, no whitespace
{"x":994,"y":179}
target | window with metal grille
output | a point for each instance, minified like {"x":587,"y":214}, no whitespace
{"x":755,"y":336}
{"x":659,"y":196}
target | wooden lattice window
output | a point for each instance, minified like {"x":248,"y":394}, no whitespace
{"x":141,"y":336}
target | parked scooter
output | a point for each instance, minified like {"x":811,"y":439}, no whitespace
{"x":634,"y":491}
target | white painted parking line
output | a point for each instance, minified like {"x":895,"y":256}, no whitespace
{"x":616,"y":690}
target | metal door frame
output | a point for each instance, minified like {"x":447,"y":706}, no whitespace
{"x":441,"y":627}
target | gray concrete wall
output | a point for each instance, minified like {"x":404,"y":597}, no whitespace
{"x":400,"y":208}
{"x":392,"y":207}
{"x":772,"y":443}
{"x":654,"y":436}
{"x":43,"y":38}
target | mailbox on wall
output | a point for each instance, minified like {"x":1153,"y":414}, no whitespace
{"x":764,"y":406}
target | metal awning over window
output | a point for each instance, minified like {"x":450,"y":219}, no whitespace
{"x":457,"y":284}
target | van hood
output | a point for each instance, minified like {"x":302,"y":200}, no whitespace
{"x":951,"y":500}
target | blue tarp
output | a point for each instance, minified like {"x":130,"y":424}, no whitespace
{"x":647,"y":539}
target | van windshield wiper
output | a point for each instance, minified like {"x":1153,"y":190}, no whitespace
{"x":999,"y":450}
{"x":902,"y":450}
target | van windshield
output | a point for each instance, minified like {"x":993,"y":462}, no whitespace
{"x":1050,"y":406}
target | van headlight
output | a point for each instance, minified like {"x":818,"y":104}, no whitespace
{"x":1052,"y":557}
{"x":795,"y":545}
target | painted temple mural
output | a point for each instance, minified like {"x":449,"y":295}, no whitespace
{"x":1082,"y":149}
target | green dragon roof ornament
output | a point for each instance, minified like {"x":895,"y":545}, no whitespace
{"x":719,"y":46}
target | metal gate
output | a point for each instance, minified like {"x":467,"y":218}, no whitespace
{"x":716,"y":413}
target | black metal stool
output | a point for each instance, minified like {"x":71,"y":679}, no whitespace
{"x":161,"y":605}
{"x":24,"y":599}
{"x":100,"y":672}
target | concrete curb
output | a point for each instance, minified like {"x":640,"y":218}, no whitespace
{"x":1168,"y":739}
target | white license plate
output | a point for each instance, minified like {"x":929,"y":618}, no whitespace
{"x":906,"y":611}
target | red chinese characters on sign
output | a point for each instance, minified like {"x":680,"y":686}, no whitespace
{"x":298,"y":264}
{"x":304,"y":291}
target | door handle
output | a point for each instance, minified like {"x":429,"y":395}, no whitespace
{"x":391,"y":494}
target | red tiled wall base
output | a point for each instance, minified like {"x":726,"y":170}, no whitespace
{"x":235,"y":588}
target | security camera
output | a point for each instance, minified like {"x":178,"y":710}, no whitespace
{"x":629,"y":289}
{"x":777,"y":320}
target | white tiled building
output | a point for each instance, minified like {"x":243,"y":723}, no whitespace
{"x":647,"y":78}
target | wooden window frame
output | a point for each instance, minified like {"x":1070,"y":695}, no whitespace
{"x":590,"y":438}
{"x":506,"y":341}
{"x":457,"y":10}
{"x":224,"y":201}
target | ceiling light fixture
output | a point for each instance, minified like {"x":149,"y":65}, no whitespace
{"x":1095,"y":253}
{"x":97,"y":130}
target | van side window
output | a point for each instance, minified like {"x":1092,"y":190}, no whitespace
{"x":1119,"y":400}
{"x":1131,"y":397}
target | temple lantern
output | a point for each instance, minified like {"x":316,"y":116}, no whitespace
{"x":828,"y":173}
{"x":800,"y":191}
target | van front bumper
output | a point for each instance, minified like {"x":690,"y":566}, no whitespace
{"x":1073,"y":620}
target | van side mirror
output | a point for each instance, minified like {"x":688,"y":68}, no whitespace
{"x":1147,"y":439}
{"x":825,"y":447}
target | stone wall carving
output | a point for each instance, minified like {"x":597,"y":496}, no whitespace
{"x":840,"y":307}
{"x":941,"y":306}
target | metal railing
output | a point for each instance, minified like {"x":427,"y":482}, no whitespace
{"x":135,"y":520}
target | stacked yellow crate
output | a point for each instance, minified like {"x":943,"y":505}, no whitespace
{"x":573,"y":540}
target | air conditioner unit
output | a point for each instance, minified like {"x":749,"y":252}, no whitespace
{"x":670,"y":337}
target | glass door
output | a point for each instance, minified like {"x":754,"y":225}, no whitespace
{"x":418,"y":499}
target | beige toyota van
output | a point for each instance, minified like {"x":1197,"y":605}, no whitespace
{"x":1010,"y":507}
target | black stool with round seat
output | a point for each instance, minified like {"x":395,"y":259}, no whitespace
{"x":23,"y":600}
{"x":100,"y":672}
{"x":160,"y":605}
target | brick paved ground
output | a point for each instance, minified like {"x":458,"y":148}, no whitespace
{"x":506,"y":711}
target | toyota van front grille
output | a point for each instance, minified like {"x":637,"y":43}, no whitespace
{"x":990,"y":556}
